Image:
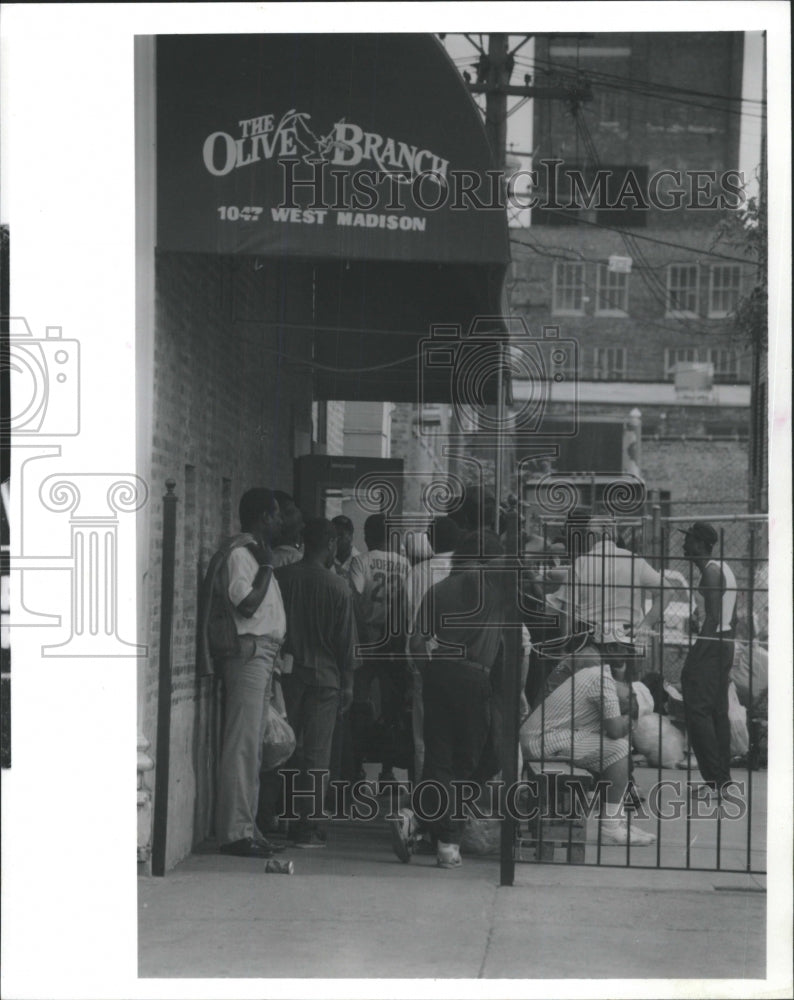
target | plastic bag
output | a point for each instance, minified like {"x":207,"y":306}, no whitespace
{"x":278,"y":743}
{"x":481,"y":836}
{"x":740,"y":672}
{"x":645,"y":735}
{"x":737,"y":714}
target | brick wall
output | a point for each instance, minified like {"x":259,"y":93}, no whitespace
{"x":645,"y":332}
{"x":229,"y":407}
{"x":702,"y":476}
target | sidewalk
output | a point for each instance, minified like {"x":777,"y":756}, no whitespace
{"x":353,"y":910}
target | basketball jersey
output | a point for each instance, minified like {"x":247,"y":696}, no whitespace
{"x":378,"y":578}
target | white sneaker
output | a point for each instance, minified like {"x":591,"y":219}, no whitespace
{"x":448,"y":856}
{"x":402,"y":835}
{"x":619,"y":834}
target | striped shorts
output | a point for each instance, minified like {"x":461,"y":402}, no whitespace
{"x":581,"y":746}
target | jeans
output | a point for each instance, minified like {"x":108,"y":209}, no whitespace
{"x":457,"y":706}
{"x":312,"y":712}
{"x":247,"y":680}
{"x":704,"y":685}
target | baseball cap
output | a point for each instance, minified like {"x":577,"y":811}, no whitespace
{"x":703,"y":531}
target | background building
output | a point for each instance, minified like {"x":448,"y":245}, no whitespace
{"x":647,"y":292}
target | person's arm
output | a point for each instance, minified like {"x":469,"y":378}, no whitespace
{"x":246,"y":594}
{"x":345,"y":650}
{"x":614,"y":723}
{"x":421,"y":636}
{"x":357,"y":574}
{"x":651,"y":578}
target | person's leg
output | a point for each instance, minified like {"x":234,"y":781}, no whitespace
{"x":392,"y":696}
{"x":616,"y":772}
{"x":418,"y":723}
{"x":295,"y":694}
{"x":321,"y":707}
{"x":700,"y":690}
{"x":247,"y":680}
{"x":472,"y":729}
{"x":438,"y":695}
{"x":365,"y":711}
{"x":722,"y":724}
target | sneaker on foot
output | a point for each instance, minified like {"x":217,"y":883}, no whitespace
{"x":448,"y":856}
{"x":401,"y":839}
{"x":309,"y":839}
{"x":619,"y":834}
{"x":423,"y":846}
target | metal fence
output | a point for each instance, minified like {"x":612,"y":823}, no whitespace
{"x":664,"y":801}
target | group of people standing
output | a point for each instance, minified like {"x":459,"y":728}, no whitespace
{"x":328,"y":625}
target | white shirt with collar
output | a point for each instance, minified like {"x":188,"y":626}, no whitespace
{"x":269,"y":618}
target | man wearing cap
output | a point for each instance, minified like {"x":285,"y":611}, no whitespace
{"x":706,"y":674}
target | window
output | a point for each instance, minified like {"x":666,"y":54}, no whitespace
{"x":675,"y":354}
{"x":724,"y":289}
{"x":682,"y":289}
{"x":725,"y":361}
{"x":726,"y":365}
{"x":612,"y":295}
{"x":609,"y":363}
{"x":568,"y":287}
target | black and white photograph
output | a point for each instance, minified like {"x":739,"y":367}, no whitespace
{"x":396,"y":463}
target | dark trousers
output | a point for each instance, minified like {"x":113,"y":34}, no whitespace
{"x":384,"y":682}
{"x":457,"y":701}
{"x":312,"y":712}
{"x":704,"y":686}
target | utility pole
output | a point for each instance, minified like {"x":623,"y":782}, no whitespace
{"x":499,"y":68}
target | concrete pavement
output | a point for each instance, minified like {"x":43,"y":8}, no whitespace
{"x":353,"y":910}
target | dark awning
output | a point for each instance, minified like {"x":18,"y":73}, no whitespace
{"x":348,"y":152}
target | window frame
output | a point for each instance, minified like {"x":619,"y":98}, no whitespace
{"x":622,"y":311}
{"x":723,"y":377}
{"x":556,"y":309}
{"x":671,"y":312}
{"x":609,"y":377}
{"x":669,"y":366}
{"x":722,"y":313}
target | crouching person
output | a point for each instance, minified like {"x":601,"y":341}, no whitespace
{"x":583,"y":721}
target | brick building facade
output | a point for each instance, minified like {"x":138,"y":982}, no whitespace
{"x":229,"y":413}
{"x":645,"y":290}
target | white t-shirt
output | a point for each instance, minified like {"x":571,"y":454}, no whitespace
{"x":378,"y":578}
{"x":608,"y":588}
{"x":269,"y":618}
{"x":728,"y":602}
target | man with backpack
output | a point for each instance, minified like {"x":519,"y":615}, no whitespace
{"x":242,"y":628}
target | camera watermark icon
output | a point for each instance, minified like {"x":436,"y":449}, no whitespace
{"x":45,"y":381}
{"x":539,"y":372}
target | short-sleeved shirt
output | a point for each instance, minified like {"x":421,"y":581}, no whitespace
{"x":343,"y":569}
{"x":580,"y":703}
{"x":286,"y":555}
{"x":379,"y":578}
{"x":608,"y":588}
{"x":422,"y":577}
{"x":464,"y":592}
{"x":269,"y":618}
{"x":320,"y":628}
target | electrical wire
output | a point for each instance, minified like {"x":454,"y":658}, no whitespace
{"x":658,"y":91}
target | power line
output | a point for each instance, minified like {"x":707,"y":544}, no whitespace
{"x":647,"y":89}
{"x":636,"y":82}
